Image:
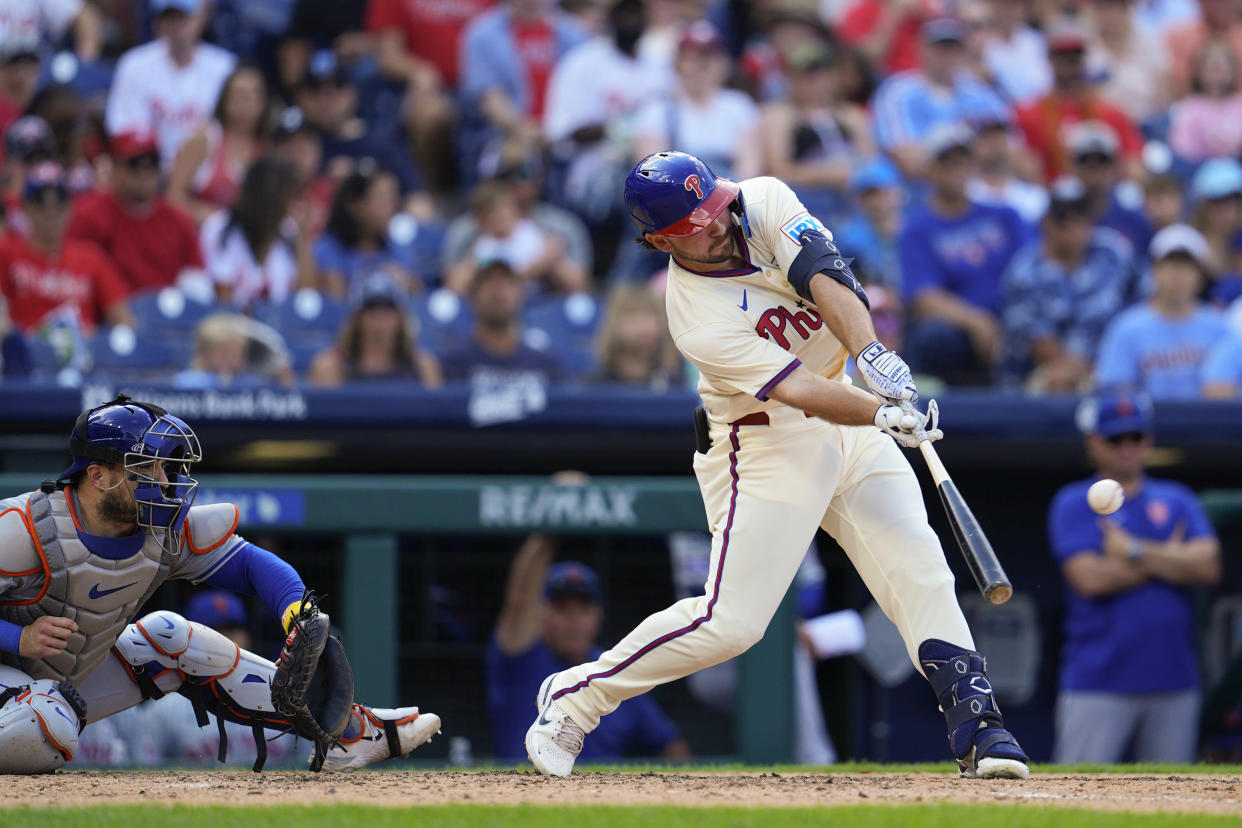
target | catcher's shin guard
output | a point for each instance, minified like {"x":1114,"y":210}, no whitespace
{"x":39,"y":726}
{"x":977,"y":735}
{"x":216,"y":675}
{"x":376,"y":734}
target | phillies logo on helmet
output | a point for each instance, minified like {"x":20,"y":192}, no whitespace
{"x":693,"y":183}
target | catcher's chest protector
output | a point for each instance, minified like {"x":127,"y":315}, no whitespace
{"x":100,"y":594}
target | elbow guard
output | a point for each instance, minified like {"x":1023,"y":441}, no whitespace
{"x":819,"y":255}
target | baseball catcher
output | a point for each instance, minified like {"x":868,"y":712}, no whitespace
{"x":80,"y":557}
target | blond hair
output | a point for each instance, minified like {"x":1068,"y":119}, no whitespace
{"x":623,"y":301}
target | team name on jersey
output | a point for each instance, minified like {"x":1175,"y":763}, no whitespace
{"x":773,"y":323}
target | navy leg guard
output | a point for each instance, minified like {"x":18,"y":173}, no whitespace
{"x":977,"y":734}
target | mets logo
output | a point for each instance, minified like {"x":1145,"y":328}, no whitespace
{"x":774,"y":321}
{"x":693,"y":183}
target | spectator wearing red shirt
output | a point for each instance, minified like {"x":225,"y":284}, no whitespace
{"x":887,"y":31}
{"x":146,"y":239}
{"x":1044,"y":122}
{"x":48,"y":273}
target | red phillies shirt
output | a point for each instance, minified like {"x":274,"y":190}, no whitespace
{"x":1045,"y":121}
{"x":536,"y":48}
{"x":35,"y":284}
{"x":903,"y":50}
{"x":149,"y":250}
{"x":432,"y":28}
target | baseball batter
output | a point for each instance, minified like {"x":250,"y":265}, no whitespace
{"x":78,"y":560}
{"x":763,"y":303}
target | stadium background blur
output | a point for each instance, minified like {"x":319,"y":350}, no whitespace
{"x":387,"y":237}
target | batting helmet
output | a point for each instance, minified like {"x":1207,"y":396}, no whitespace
{"x":675,"y":194}
{"x":135,"y":434}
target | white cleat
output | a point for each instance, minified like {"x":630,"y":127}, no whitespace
{"x":384,"y":734}
{"x":993,"y":768}
{"x":554,"y":740}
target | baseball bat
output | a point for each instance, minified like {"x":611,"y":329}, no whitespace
{"x":981,"y":559}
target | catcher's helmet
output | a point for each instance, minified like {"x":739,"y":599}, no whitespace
{"x":135,"y":434}
{"x":676,"y":194}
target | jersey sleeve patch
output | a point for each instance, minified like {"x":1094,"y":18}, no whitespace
{"x":796,"y":226}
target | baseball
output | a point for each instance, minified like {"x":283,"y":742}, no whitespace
{"x":1105,"y":496}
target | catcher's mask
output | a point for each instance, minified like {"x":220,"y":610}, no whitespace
{"x":135,"y":435}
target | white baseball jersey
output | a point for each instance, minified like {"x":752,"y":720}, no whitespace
{"x":26,"y":20}
{"x":151,"y":93}
{"x":746,"y":330}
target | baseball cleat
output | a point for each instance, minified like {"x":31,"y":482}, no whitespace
{"x":381,"y":734}
{"x":554,"y":740}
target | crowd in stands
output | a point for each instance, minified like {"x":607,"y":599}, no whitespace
{"x":1039,"y":194}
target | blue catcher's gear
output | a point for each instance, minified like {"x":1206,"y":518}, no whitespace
{"x":676,"y":194}
{"x":134,"y":435}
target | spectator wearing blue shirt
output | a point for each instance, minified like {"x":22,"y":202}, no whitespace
{"x":329,"y":101}
{"x":550,"y":621}
{"x":355,"y":242}
{"x":1062,"y":291}
{"x":1128,"y":666}
{"x":1161,"y":345}
{"x":953,"y":252}
{"x":1222,"y":373}
{"x":870,"y":234}
{"x":1094,"y":152}
{"x":910,"y":104}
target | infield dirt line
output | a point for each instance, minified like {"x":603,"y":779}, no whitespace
{"x":1190,"y":793}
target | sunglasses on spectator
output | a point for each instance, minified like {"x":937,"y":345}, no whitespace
{"x":1126,"y":438}
{"x":45,"y":197}
{"x":1095,"y":159}
{"x":143,"y":162}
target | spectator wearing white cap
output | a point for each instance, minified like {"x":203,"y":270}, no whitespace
{"x":1160,"y":346}
{"x":169,"y":86}
{"x":1062,"y":291}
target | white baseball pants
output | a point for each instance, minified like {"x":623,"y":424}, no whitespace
{"x":766,"y":489}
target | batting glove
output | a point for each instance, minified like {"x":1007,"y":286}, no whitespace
{"x":909,"y":426}
{"x":887,"y":374}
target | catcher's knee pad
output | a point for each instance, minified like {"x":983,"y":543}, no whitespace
{"x":39,"y":726}
{"x":163,"y":641}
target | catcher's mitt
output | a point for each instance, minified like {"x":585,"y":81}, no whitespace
{"x":313,"y":687}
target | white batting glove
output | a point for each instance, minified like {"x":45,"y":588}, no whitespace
{"x":887,"y":374}
{"x":909,"y":427}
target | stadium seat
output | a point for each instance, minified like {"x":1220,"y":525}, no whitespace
{"x":567,"y":324}
{"x":308,"y":321}
{"x":444,"y":320}
{"x":120,"y":352}
{"x":169,"y":315}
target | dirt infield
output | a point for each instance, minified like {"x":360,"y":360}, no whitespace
{"x":1201,"y":794}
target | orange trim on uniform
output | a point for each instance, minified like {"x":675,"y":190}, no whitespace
{"x":73,"y":513}
{"x":48,"y":731}
{"x":47,"y":572}
{"x":362,"y":727}
{"x":189,"y":538}
{"x":129,"y":668}
{"x":160,"y":649}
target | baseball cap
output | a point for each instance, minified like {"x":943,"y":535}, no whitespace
{"x":1092,"y":138}
{"x":948,"y":136}
{"x":375,"y":290}
{"x":29,"y":137}
{"x":1066,"y":36}
{"x":133,"y":143}
{"x":944,"y":30}
{"x":45,"y":175}
{"x":324,"y":69}
{"x":1180,"y":238}
{"x":216,"y":608}
{"x":700,"y":36}
{"x":1068,"y":197}
{"x":1110,"y":414}
{"x":571,"y":579}
{"x":808,"y":56}
{"x":158,"y":7}
{"x":19,"y":46}
{"x":875,"y":174}
{"x":1217,"y":178}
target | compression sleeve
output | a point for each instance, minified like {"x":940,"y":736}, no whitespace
{"x":253,"y":570}
{"x":10,"y":638}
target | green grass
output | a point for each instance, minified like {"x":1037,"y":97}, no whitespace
{"x":522,"y":816}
